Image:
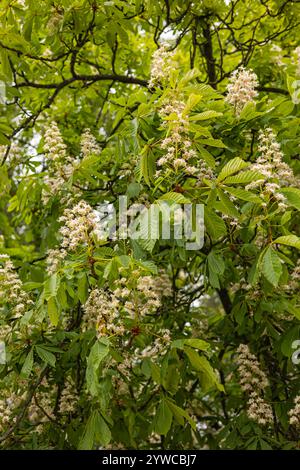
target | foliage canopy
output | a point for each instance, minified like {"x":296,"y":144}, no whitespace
{"x":142,"y":343}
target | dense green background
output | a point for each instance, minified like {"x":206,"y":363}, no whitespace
{"x":85,"y":63}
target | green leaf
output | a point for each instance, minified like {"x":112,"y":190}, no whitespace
{"x":227,"y":205}
{"x":292,"y":196}
{"x":206,"y":156}
{"x":205,"y":115}
{"x":87,"y":440}
{"x":214,"y":224}
{"x":3,"y":139}
{"x":45,"y":355}
{"x":155,"y":373}
{"x":51,"y":286}
{"x":244,"y":195}
{"x":163,"y":418}
{"x":197,"y":343}
{"x":53,"y":311}
{"x":192,"y":342}
{"x":102,"y":431}
{"x":189,"y":76}
{"x":249,"y":112}
{"x":271,"y":266}
{"x":180,"y":414}
{"x":98,"y":352}
{"x":213,"y":143}
{"x":177,"y":198}
{"x":264,"y":445}
{"x":289,"y":240}
{"x":27,"y":366}
{"x":96,"y":430}
{"x":216,"y":268}
{"x":244,"y":177}
{"x":147,"y":164}
{"x":201,"y":364}
{"x":233,"y":166}
{"x":82,"y":289}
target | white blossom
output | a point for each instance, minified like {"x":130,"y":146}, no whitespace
{"x":162,"y":65}
{"x":80,"y":223}
{"x":241,"y":88}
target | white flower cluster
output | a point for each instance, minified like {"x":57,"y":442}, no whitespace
{"x":177,"y":145}
{"x":11,"y":290}
{"x":68,"y":398}
{"x":159,"y":346}
{"x":55,"y":146}
{"x":80,"y":224}
{"x":101,"y":313}
{"x":88,"y":144}
{"x":7,"y":409}
{"x":232,"y":221}
{"x":162,"y":65}
{"x":55,"y":20}
{"x":253,"y":381}
{"x":294,"y":280}
{"x":252,"y":378}
{"x":5,"y":330}
{"x":54,"y":260}
{"x":294,"y":413}
{"x":60,"y":165}
{"x":14,"y":155}
{"x":297,"y":52}
{"x":42,"y":405}
{"x":274,"y":170}
{"x":241,"y":89}
{"x":277,"y":55}
{"x":259,"y":410}
{"x":145,"y":296}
